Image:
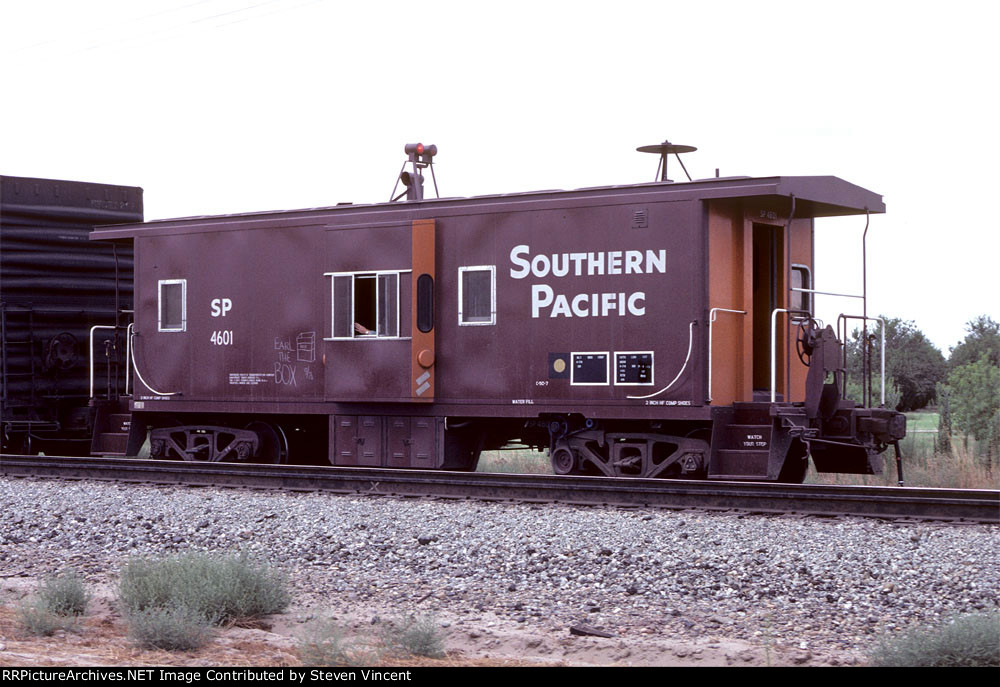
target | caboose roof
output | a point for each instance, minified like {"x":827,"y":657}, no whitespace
{"x":815,"y":196}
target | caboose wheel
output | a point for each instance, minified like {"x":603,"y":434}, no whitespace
{"x":273,"y":447}
{"x":563,"y":461}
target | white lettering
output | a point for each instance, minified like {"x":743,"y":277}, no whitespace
{"x":656,"y":261}
{"x":561,"y":307}
{"x":540,"y":265}
{"x":541,"y":297}
{"x":524,"y":265}
{"x":595,"y":263}
{"x":557,"y":269}
{"x":633,"y":262}
{"x":586,"y":304}
{"x":221,"y":306}
{"x":607,"y":303}
{"x":635,"y":309}
{"x":615,"y":262}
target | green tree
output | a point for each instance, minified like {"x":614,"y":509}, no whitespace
{"x":982,"y":337}
{"x":974,"y":396}
{"x":911,"y":360}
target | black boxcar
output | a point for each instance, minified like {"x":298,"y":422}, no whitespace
{"x":55,"y":285}
{"x":626,"y":329}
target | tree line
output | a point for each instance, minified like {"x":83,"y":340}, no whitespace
{"x":965,"y":386}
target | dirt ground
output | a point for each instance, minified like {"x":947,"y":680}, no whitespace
{"x":101,"y":639}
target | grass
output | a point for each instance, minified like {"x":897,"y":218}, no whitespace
{"x":323,"y":644}
{"x":971,"y":641}
{"x":922,"y":466}
{"x":522,"y":461}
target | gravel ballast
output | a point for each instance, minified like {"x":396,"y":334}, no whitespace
{"x":809,"y":583}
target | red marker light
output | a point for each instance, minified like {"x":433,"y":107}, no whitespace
{"x":420,"y":149}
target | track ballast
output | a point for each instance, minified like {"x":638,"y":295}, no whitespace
{"x":970,"y":505}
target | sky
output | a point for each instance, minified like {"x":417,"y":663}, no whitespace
{"x":223,"y":106}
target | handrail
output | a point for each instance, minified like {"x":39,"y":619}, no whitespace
{"x":711,"y":319}
{"x":131,"y":334}
{"x":128,"y":360}
{"x":825,"y":293}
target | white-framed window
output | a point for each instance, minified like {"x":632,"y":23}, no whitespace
{"x":589,"y":368}
{"x":172,"y":305}
{"x":801,"y":300}
{"x":477,"y":295}
{"x":633,"y":368}
{"x":364,"y":305}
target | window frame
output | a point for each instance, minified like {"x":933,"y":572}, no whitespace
{"x":807,"y":270}
{"x":159,"y":305}
{"x":370,"y":274}
{"x":493,"y":295}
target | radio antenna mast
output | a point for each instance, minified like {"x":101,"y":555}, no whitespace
{"x":664,"y":150}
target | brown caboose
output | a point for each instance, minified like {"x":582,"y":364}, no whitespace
{"x":660,"y":329}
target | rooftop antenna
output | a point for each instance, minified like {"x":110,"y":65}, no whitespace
{"x":420,"y":156}
{"x":663,"y":150}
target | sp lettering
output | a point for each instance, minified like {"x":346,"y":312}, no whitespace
{"x":221,"y":306}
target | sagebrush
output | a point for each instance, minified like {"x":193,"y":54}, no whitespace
{"x":417,"y":636}
{"x":971,"y":641}
{"x":36,"y":619}
{"x":59,"y":602}
{"x":224,"y":589}
{"x":64,"y":594}
{"x":174,"y":628}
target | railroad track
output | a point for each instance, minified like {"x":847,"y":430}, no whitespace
{"x":969,"y":505}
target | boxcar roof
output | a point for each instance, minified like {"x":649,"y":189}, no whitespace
{"x":80,"y":201}
{"x":815,"y":196}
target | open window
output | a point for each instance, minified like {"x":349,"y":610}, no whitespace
{"x":365,"y":305}
{"x":172,"y":305}
{"x":477,"y":295}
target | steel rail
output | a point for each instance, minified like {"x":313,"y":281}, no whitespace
{"x":971,"y":505}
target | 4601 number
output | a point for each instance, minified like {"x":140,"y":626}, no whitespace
{"x":222,"y":337}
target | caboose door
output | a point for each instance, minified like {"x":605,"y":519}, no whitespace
{"x":768,"y":287}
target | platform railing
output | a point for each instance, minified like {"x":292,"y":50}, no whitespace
{"x":128,"y":365}
{"x":842,"y":318}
